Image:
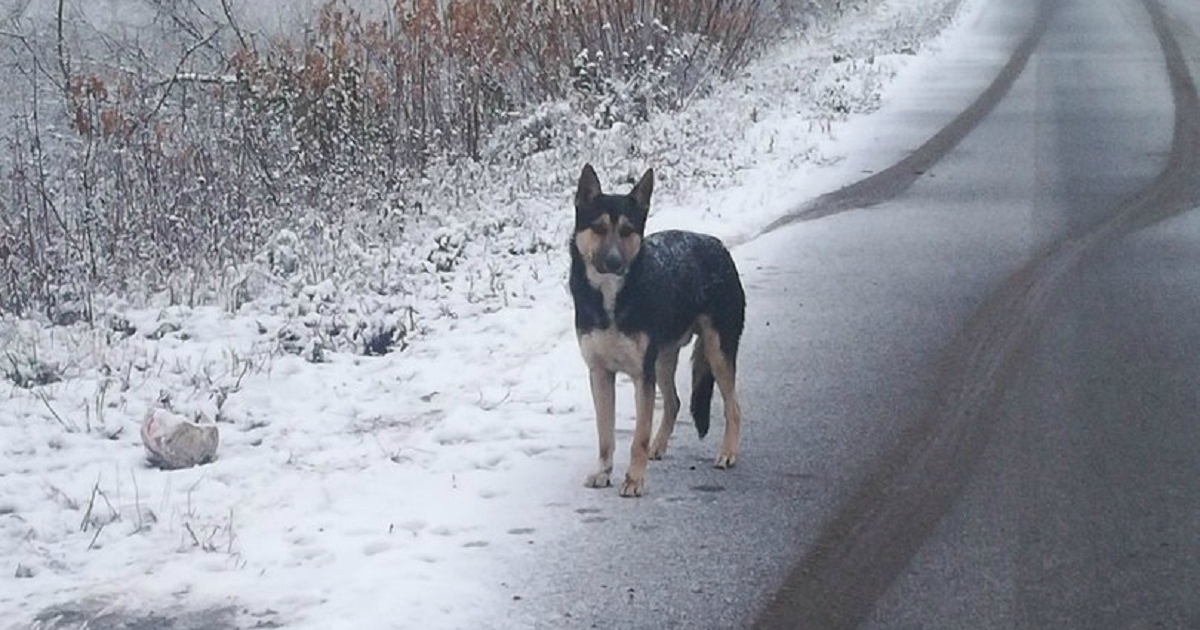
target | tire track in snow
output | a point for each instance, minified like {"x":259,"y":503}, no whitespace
{"x":875,"y":533}
{"x":894,"y":180}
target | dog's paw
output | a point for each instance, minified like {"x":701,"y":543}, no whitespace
{"x":725,"y":461}
{"x":598,"y":479}
{"x":658,"y":449}
{"x":634,"y":485}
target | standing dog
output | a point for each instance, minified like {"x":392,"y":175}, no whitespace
{"x":638,"y":300}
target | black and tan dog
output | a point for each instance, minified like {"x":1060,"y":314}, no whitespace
{"x":638,"y":300}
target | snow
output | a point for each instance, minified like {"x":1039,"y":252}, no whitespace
{"x":351,"y":489}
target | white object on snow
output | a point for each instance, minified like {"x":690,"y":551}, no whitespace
{"x":175,"y":441}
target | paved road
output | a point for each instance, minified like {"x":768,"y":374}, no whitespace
{"x":971,"y":380}
{"x":1049,"y":477}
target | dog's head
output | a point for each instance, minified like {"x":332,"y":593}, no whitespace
{"x":609,"y":228}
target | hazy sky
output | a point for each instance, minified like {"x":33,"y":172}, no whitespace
{"x":263,"y":15}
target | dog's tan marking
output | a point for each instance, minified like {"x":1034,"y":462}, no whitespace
{"x":725,"y":373}
{"x":600,"y":239}
{"x":614,"y":351}
{"x":609,"y":351}
{"x":595,"y":242}
{"x":606,"y":352}
{"x":589,"y":242}
{"x":604,"y":399}
{"x":609,"y":285}
{"x":700,"y":368}
{"x":628,"y":241}
{"x":664,"y":375}
{"x":635,"y":476}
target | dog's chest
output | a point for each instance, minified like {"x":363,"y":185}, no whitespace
{"x":614,"y":350}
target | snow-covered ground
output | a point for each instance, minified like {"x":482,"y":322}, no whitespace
{"x":351,"y":489}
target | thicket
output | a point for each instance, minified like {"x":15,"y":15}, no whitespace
{"x":183,"y":147}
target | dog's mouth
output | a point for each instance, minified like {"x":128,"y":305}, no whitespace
{"x":609,"y":270}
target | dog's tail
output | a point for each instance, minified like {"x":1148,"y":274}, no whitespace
{"x":702,"y":388}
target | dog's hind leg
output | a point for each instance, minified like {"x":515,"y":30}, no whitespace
{"x":635,"y":477}
{"x":724,"y":368}
{"x":664,"y":375}
{"x":604,"y":397}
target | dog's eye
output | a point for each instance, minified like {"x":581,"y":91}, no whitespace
{"x":625,"y":231}
{"x":600,"y":228}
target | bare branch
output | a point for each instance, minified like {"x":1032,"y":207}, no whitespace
{"x":64,"y":64}
{"x":234,"y":25}
{"x":175,"y":79}
{"x":33,"y":55}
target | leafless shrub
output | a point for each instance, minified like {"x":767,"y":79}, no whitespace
{"x":160,"y":162}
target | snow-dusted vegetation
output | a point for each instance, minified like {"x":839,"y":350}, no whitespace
{"x":176,"y":155}
{"x":340,"y":234}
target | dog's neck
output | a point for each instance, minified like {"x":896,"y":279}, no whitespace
{"x":609,"y":285}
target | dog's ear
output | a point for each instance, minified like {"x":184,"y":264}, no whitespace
{"x":641,"y":192}
{"x":588,"y":189}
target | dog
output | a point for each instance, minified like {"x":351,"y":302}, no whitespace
{"x":638,"y":300}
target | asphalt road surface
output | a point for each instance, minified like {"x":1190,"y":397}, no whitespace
{"x":971,"y":380}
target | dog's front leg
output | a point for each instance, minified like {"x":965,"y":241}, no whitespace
{"x":604,"y":398}
{"x":635,"y":477}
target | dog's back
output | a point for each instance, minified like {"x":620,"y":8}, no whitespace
{"x":678,"y":277}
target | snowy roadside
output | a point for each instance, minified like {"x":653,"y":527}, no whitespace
{"x":351,"y":489}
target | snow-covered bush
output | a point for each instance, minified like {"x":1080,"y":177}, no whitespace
{"x":165,"y":160}
{"x":28,"y":371}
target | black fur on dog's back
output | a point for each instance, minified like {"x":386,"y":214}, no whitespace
{"x":676,"y":278}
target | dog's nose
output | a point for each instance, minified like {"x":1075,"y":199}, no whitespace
{"x":613,"y":262}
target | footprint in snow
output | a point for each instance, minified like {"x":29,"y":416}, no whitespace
{"x":533,"y":450}
{"x":590,"y":515}
{"x":412,"y":527}
{"x":491,"y":462}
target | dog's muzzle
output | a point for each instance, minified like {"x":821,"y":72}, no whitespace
{"x":612,"y":262}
